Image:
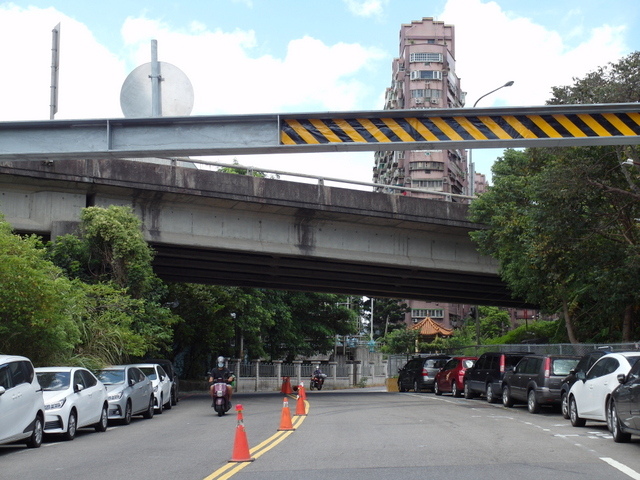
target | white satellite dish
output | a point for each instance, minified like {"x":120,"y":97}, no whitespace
{"x":176,"y":92}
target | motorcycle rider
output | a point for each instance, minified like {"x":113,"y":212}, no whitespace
{"x":220,"y":371}
{"x":318,"y":376}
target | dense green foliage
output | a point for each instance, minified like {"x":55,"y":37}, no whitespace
{"x":564,"y":222}
{"x":37,"y":302}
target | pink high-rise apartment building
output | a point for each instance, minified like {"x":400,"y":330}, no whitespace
{"x":424,"y":76}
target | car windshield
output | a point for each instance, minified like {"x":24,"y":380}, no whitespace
{"x":149,"y":372}
{"x":53,"y":381}
{"x":110,"y":377}
{"x":562,"y":366}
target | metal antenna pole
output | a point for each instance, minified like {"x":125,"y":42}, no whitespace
{"x":55,"y":65}
{"x":156,"y":101}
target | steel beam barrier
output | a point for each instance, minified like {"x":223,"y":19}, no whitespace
{"x":428,"y":129}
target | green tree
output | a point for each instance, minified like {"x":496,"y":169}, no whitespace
{"x":38,"y":303}
{"x":563,"y":222}
{"x":400,"y":341}
{"x":110,"y":253}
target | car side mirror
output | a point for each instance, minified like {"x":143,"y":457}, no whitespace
{"x":78,"y":387}
{"x":581,"y":376}
{"x":2,"y":390}
{"x":622,"y":378}
{"x":132,"y":382}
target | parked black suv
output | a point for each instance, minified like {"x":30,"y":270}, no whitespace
{"x":485,"y":377}
{"x":585,"y":363}
{"x":420,"y":372}
{"x":536,"y":380}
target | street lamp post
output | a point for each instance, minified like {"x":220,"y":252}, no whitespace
{"x":472,"y":169}
{"x":472,"y":185}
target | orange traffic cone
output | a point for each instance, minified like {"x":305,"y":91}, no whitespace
{"x":285,"y":419}
{"x":300,"y":407}
{"x":286,"y":386}
{"x":240,"y":444}
{"x":302,"y":392}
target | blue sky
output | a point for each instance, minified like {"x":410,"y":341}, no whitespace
{"x":257,"y":56}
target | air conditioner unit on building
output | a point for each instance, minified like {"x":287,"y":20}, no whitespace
{"x":419,"y":101}
{"x":434,"y":100}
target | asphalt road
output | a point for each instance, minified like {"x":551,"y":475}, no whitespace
{"x":350,"y":434}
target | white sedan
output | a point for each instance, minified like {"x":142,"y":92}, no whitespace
{"x":73,"y":398}
{"x":589,"y":395}
{"x":161,"y":384}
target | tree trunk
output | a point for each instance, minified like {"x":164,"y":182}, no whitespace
{"x":627,"y":321}
{"x":568,"y":323}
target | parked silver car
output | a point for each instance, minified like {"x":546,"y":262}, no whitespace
{"x":129,"y":392}
{"x":161,"y":384}
{"x":21,"y":402}
{"x":74,"y":398}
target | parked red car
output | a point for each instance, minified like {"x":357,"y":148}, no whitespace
{"x":451,"y":377}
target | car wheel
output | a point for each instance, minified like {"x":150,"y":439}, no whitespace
{"x":613,"y":422}
{"x":576,"y":420}
{"x":490,"y":395}
{"x":160,"y":405}
{"x":416,"y":387}
{"x":532,"y":404}
{"x":507,"y":401}
{"x":454,"y":390}
{"x":35,"y":439}
{"x":436,"y":389}
{"x":401,"y":386}
{"x":72,"y":426}
{"x":102,"y":425}
{"x":150,"y":410}
{"x":564,"y":405}
{"x":467,"y":391}
{"x":127,"y":413}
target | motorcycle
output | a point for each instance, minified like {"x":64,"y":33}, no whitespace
{"x":317,"y":381}
{"x":221,"y":402}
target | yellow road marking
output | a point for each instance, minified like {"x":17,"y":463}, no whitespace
{"x":227,"y":471}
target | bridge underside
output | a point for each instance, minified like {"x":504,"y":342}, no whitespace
{"x":243,"y":269}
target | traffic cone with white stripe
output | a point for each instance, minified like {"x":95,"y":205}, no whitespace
{"x":301,"y":409}
{"x":241,"y":445}
{"x":285,"y":419}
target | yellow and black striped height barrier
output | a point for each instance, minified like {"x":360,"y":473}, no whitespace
{"x":624,"y":127}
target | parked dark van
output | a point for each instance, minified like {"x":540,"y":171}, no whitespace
{"x":485,"y":377}
{"x":419,"y":373}
{"x":536,"y":380}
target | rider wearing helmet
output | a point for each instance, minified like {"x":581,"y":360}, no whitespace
{"x":220,"y":371}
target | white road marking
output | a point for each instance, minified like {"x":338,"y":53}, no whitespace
{"x":623,"y":468}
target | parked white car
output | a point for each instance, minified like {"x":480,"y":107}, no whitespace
{"x":129,"y":392}
{"x":73,"y":398}
{"x":590,"y":394}
{"x":21,"y":402}
{"x":161,"y":385}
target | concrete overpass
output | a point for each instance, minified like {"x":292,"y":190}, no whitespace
{"x":216,"y":228}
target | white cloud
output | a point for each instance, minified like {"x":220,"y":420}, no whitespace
{"x":228,"y":78}
{"x":366,"y":8}
{"x":494,"y":46}
{"x":86,"y":75}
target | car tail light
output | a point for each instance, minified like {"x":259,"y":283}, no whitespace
{"x":501,"y":363}
{"x":547,"y":367}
